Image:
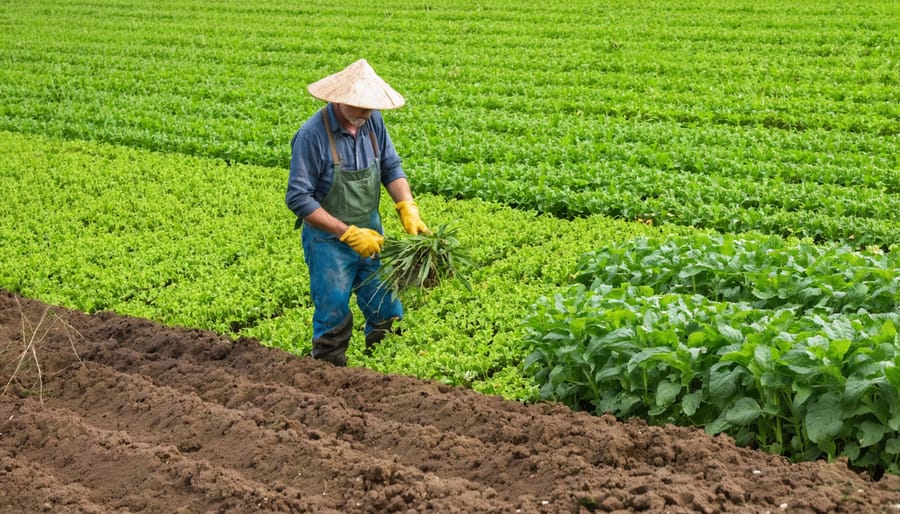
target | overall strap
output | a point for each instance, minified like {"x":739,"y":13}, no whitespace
{"x":374,"y":143}
{"x":334,"y":152}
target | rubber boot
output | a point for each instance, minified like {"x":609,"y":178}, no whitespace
{"x":332,"y":345}
{"x":378,"y":333}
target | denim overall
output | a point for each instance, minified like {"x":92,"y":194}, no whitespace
{"x":336,"y":270}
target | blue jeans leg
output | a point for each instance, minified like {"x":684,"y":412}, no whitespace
{"x":377,"y":303}
{"x":336,"y":271}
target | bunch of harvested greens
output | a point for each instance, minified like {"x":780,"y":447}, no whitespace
{"x":422,"y":261}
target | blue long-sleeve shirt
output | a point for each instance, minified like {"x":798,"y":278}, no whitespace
{"x":312,"y":166}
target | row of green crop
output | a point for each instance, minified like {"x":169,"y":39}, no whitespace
{"x":682,"y":63}
{"x":96,"y":228}
{"x":720,"y":116}
{"x":764,"y":272}
{"x":578,"y":145}
{"x":792,"y":348}
{"x":722,"y":206}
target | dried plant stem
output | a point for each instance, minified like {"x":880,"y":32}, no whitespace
{"x":31,"y":336}
{"x":71,"y":339}
{"x":28,"y":341}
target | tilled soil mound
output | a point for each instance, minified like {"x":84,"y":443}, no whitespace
{"x":106,"y":413}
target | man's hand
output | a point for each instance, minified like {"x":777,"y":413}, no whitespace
{"x":409,"y":217}
{"x":364,"y":241}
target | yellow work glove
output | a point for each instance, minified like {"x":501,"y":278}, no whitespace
{"x":364,"y":241}
{"x":409,"y":217}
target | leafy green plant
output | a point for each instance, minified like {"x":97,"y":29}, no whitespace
{"x":416,"y":262}
{"x":789,"y":348}
{"x":767,"y":272}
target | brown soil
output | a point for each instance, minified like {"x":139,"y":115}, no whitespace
{"x":149,"y":418}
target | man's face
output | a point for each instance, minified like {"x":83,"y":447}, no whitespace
{"x":356,"y":116}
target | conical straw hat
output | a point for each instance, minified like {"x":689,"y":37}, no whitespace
{"x":357,"y":85}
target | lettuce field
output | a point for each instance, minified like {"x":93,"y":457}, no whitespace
{"x":681,"y":211}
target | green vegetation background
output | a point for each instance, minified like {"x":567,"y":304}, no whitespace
{"x":145,"y":149}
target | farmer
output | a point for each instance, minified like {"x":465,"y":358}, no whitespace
{"x":340,"y":158}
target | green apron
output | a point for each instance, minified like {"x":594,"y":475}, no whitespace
{"x":355,"y":195}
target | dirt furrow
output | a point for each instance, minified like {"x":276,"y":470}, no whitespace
{"x":413,"y":443}
{"x":405,"y":421}
{"x":255,"y":446}
{"x":185,"y":419}
{"x":122,"y":473}
{"x":28,"y":486}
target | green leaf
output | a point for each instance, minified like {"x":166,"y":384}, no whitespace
{"x":697,"y":338}
{"x":691,"y":402}
{"x":837,"y":349}
{"x":722,"y":381}
{"x":667,"y":392}
{"x":730,"y":334}
{"x":856,"y":387}
{"x":892,"y":373}
{"x":892,"y":446}
{"x":823,"y":421}
{"x":720,"y":424}
{"x":851,"y":451}
{"x":870,"y":433}
{"x":801,"y":394}
{"x":894,"y":422}
{"x":559,"y":374}
{"x":887,"y":334}
{"x":744,"y":412}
